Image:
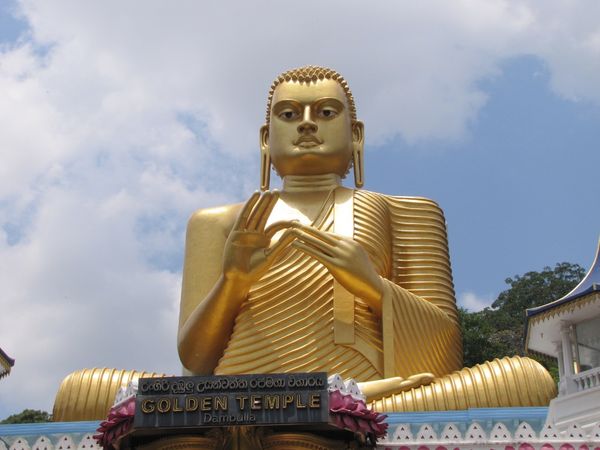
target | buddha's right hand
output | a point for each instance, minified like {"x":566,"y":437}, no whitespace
{"x":377,"y":389}
{"x":248,"y":252}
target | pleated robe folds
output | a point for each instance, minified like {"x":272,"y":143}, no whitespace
{"x":296,"y":317}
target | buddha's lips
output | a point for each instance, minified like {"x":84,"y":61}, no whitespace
{"x":308,"y":141}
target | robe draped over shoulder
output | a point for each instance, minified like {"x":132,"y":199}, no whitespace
{"x":288,"y":321}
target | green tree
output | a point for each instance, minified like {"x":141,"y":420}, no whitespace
{"x":499,"y":330}
{"x":28,"y":416}
{"x":478,"y":342}
{"x":534,"y":289}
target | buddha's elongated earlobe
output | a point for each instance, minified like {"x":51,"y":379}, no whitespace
{"x":265,"y":159}
{"x":358,"y":138}
{"x":357,"y":161}
{"x":265,"y":170}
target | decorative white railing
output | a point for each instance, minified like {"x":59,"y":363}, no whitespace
{"x":462,"y":436}
{"x":427,"y":436}
{"x":588,"y":379}
{"x":69,"y":441}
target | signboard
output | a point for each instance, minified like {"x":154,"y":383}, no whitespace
{"x":213,"y":401}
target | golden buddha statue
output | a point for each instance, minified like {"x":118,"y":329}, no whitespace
{"x":321,"y":277}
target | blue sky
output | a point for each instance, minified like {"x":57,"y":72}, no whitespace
{"x":11,"y":26}
{"x":118,"y":120}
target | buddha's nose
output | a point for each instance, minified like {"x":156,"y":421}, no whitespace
{"x":307,"y":125}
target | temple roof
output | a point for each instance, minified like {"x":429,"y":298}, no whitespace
{"x":6,"y":362}
{"x":589,"y":284}
{"x":581,"y":304}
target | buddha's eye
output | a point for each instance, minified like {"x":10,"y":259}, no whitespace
{"x":328,"y":112}
{"x":288,"y":114}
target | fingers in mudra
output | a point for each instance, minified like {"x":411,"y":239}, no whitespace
{"x":273,"y":252}
{"x":256,"y":211}
{"x":250,"y":250}
{"x":242,"y":219}
{"x":259,"y":215}
{"x":345,"y":259}
{"x":321,"y":245}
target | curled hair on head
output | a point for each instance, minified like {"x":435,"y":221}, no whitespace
{"x":311,"y":74}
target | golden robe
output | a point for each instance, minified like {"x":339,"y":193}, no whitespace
{"x":297,"y":318}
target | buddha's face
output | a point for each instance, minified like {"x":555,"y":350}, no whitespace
{"x":310,"y":131}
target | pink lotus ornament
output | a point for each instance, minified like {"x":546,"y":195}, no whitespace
{"x":117,"y":424}
{"x":349,"y":411}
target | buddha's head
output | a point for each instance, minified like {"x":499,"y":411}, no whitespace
{"x":311,"y":126}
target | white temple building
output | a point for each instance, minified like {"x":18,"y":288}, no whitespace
{"x":569,"y":330}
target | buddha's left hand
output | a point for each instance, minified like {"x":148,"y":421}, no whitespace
{"x":345,"y":259}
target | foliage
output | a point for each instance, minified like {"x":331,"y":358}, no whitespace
{"x":28,"y":416}
{"x":499,"y":330}
{"x":535,"y":289}
{"x":479,"y":344}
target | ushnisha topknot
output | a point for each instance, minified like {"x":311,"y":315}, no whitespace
{"x":311,"y":74}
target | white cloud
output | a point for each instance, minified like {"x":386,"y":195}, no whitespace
{"x":118,"y":119}
{"x":567,"y":37}
{"x":474,"y":302}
